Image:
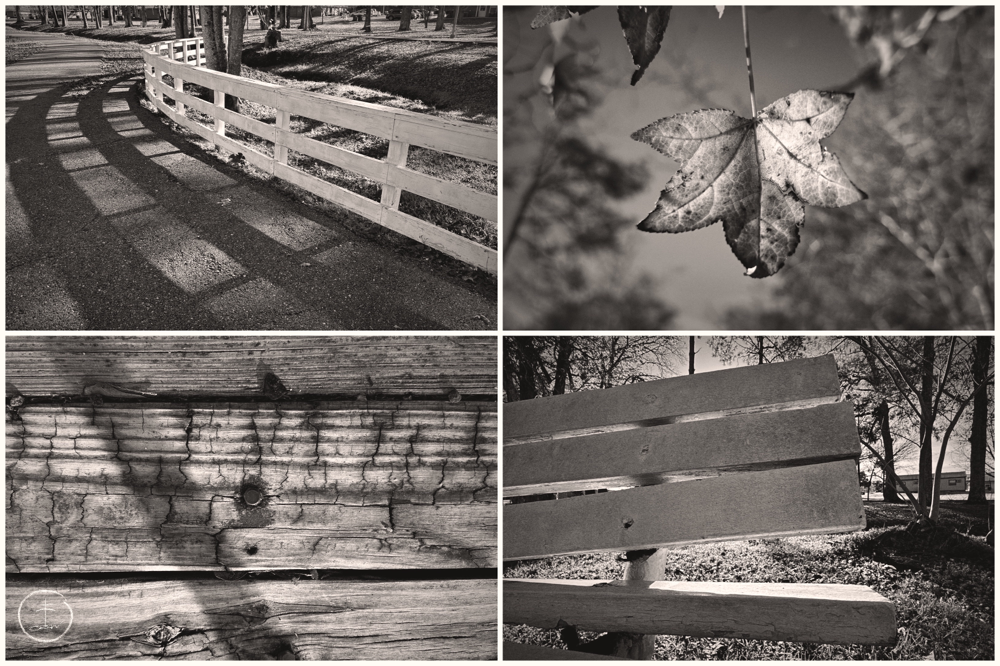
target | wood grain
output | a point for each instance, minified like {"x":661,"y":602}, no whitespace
{"x":832,"y":614}
{"x":799,"y":383}
{"x":520,"y":652}
{"x":55,"y":366}
{"x":681,"y":451}
{"x":307,"y":619}
{"x":359,"y":484}
{"x":813,"y":499}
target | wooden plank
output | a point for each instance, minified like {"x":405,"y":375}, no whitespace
{"x":395,"y":158}
{"x":814,"y":499}
{"x":339,"y":157}
{"x":52,"y":366}
{"x":133,"y":487}
{"x":342,"y":197}
{"x":256,"y":91}
{"x":307,"y":619}
{"x":833,"y":614}
{"x":475,"y":142}
{"x":455,"y":195}
{"x":521,"y":652}
{"x":799,"y":383}
{"x":440,"y":239}
{"x":683,"y":451}
{"x":359,"y":116}
{"x":263,"y":130}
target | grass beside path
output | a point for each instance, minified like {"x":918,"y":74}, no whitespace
{"x":941,"y":583}
{"x":19,"y":48}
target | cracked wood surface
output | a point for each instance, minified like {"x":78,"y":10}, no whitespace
{"x":263,"y":619}
{"x":141,"y":487}
{"x":235,"y":367}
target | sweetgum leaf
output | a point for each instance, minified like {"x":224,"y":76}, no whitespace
{"x":549,"y":14}
{"x":643,"y":28}
{"x":754,"y":175}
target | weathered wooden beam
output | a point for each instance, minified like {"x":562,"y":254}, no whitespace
{"x":520,"y":652}
{"x":812,"y":499}
{"x":223,"y":367}
{"x":795,"y":384}
{"x":837,"y":614}
{"x":680,"y":451}
{"x":132,"y":487}
{"x":307,"y":619}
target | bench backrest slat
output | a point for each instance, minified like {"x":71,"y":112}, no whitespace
{"x":750,"y":452}
{"x":805,"y":382}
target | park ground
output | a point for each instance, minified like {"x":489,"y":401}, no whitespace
{"x":940,"y":582}
{"x":453,"y":79}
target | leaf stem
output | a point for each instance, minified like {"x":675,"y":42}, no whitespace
{"x":746,"y":42}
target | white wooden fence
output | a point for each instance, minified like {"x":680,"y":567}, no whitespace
{"x":183,"y":60}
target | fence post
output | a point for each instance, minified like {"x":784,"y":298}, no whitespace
{"x":282,"y":123}
{"x":398,"y":151}
{"x":179,"y":86}
{"x":220,"y":103}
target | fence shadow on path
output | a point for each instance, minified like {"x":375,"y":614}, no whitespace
{"x":114,"y":223}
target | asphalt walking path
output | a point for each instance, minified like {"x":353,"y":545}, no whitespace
{"x":116,"y":223}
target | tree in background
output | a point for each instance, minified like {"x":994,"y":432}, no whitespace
{"x":921,"y":246}
{"x":552,"y":365}
{"x":219,"y":56}
{"x":306,"y":23}
{"x":180,"y":22}
{"x":440,"y":19}
{"x":165,"y":17}
{"x":404,"y":19}
{"x":368,"y":20}
{"x":757,"y":349}
{"x":982,"y":419}
{"x":563,"y":250}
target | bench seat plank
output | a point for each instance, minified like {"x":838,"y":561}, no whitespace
{"x":305,"y":619}
{"x":766,"y":387}
{"x":812,"y":499}
{"x":833,"y":614}
{"x":644,"y":456}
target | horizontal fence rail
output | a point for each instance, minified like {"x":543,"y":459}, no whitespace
{"x":183,"y":60}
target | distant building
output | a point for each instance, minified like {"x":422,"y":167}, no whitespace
{"x":951,"y":482}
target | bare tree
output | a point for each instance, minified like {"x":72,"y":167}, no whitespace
{"x":440,"y":19}
{"x":404,"y":19}
{"x":981,"y":408}
{"x":368,"y":20}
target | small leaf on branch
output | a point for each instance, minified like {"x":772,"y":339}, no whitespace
{"x":754,"y":175}
{"x":548,"y":15}
{"x":643,"y":28}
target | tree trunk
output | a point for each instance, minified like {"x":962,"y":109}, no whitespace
{"x":888,"y":485}
{"x":427,"y":15}
{"x":111,"y":16}
{"x":564,"y":354}
{"x":404,"y":20}
{"x":142,"y":11}
{"x":760,"y":350}
{"x":234,"y":49}
{"x":368,"y":20}
{"x":83,"y":15}
{"x":980,"y":409}
{"x":180,"y":21}
{"x":211,"y":30}
{"x":926,"y":477}
{"x":55,"y":17}
{"x":284,"y":16}
{"x":127,"y":16}
{"x":306,"y":22}
{"x":193,"y":22}
{"x":454,"y":24}
{"x":440,"y":20}
{"x":165,"y":21}
{"x":20,"y":21}
{"x":64,"y":15}
{"x":98,"y":21}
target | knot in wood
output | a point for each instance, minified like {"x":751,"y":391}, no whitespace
{"x":160,"y":635}
{"x":252,"y":497}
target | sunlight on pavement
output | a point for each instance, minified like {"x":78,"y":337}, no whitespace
{"x":82,"y":159}
{"x":193,"y":264}
{"x":259,"y":305}
{"x":194,"y":173}
{"x":269,"y":218}
{"x":110,"y":191}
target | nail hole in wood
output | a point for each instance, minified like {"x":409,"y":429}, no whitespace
{"x":252,"y":496}
{"x":251,"y":550}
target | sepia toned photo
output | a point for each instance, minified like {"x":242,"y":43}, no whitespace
{"x":720,"y":168}
{"x":748,"y":498}
{"x":293,"y":498}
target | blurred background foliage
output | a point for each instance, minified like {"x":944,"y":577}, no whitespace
{"x":917,"y":255}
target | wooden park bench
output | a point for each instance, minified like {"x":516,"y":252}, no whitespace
{"x":746,"y":453}
{"x":251,"y":498}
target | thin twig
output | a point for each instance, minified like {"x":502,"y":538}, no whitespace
{"x":746,"y":42}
